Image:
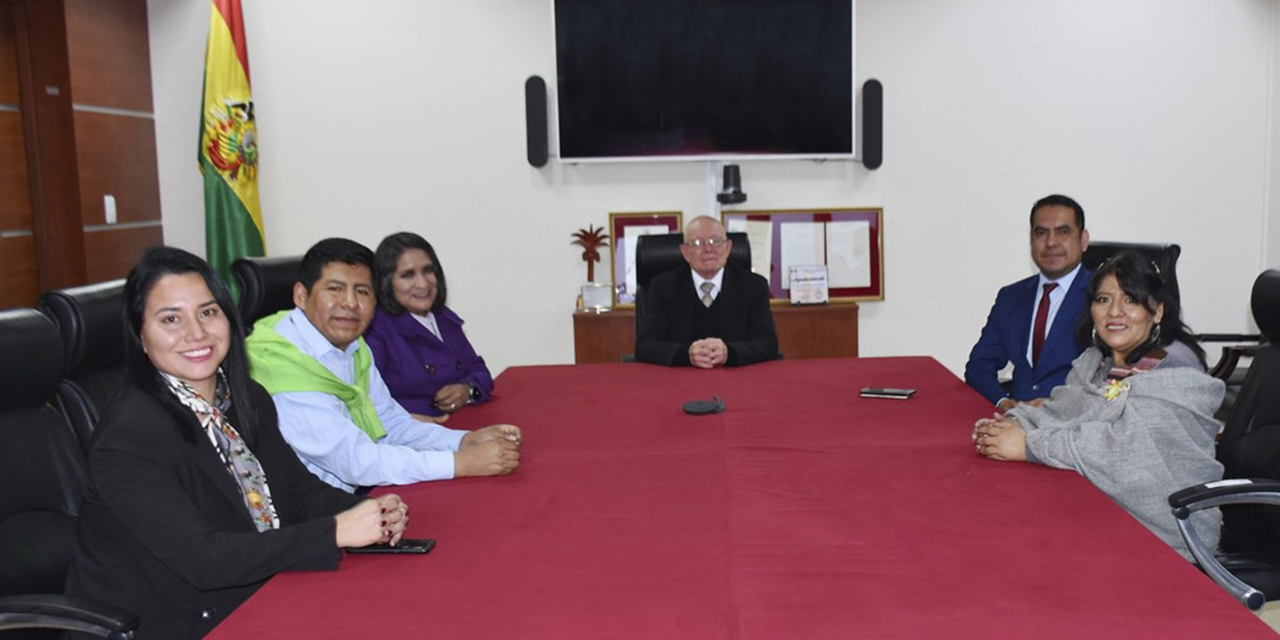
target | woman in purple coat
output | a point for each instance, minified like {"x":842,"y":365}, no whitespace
{"x":417,"y":342}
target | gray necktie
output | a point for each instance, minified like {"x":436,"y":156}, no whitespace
{"x":706,"y":293}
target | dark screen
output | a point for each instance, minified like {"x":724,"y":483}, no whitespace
{"x":704,"y":77}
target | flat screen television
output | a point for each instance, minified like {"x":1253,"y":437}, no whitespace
{"x":704,"y":79}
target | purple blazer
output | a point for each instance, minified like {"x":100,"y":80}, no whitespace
{"x":415,"y":364}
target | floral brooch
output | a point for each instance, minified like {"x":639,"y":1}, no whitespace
{"x":1114,"y":389}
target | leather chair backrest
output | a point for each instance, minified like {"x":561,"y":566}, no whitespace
{"x":1266,"y":304}
{"x":266,"y":286}
{"x":42,"y":467}
{"x":658,"y":254}
{"x":1165,"y":257}
{"x":1250,"y":443}
{"x":91,"y":321}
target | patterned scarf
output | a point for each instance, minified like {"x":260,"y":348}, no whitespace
{"x":240,"y":462}
{"x":1117,"y":374}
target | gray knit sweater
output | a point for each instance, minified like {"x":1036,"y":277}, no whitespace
{"x":1154,"y":438}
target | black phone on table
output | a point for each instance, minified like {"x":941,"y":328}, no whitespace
{"x":883,"y":392}
{"x":405,"y":545}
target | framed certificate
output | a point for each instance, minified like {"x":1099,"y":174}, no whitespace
{"x":624,"y":229}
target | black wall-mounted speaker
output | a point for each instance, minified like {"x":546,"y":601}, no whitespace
{"x":872,"y":124}
{"x":535,"y":115}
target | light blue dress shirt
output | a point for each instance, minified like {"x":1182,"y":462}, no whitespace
{"x":320,"y":429}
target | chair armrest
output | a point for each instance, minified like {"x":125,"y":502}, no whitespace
{"x":1228,"y":337}
{"x":1231,"y":354}
{"x":71,"y":613}
{"x":1234,"y":491}
{"x":1212,"y":494}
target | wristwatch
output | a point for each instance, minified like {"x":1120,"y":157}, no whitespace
{"x":474,"y":394}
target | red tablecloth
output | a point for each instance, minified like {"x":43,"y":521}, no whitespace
{"x":803,"y":511}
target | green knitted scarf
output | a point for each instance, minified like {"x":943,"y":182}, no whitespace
{"x":279,"y":366}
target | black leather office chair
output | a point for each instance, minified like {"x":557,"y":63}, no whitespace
{"x":91,"y":321}
{"x":42,"y":479}
{"x":266,"y":286}
{"x":1264,"y":302}
{"x":1247,"y":563}
{"x":660,"y":253}
{"x":1164,"y":256}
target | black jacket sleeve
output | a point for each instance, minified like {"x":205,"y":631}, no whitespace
{"x":761,"y":341}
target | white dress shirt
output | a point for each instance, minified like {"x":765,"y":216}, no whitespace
{"x":429,"y":321}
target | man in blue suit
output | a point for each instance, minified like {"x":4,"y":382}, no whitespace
{"x":1033,"y":321}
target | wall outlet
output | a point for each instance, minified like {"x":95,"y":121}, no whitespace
{"x":109,"y":208}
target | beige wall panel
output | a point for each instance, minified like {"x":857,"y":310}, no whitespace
{"x":111,"y":253}
{"x":15,"y":196}
{"x":19,"y":282}
{"x":117,"y":156}
{"x":109,"y":53}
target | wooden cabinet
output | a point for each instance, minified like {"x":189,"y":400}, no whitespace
{"x":819,"y":331}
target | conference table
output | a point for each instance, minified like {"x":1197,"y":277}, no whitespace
{"x":801,"y":511}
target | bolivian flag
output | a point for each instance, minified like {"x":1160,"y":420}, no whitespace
{"x":229,"y":145}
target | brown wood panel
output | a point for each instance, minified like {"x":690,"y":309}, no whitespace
{"x":19,"y":280}
{"x":49,"y":128}
{"x":9,"y":93}
{"x":15,"y":199}
{"x":117,"y":156}
{"x":603,"y":337}
{"x":111,"y":253}
{"x":817,"y":331}
{"x":110,"y":56}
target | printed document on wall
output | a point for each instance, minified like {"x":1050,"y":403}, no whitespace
{"x":801,"y":245}
{"x":848,"y":254}
{"x":760,"y":237}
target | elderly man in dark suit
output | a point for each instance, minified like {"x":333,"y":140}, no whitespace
{"x":1033,"y":321}
{"x":707,"y":314}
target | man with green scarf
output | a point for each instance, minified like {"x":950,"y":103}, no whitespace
{"x":334,"y":408}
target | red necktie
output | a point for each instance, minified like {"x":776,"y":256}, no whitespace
{"x":1042,"y":318}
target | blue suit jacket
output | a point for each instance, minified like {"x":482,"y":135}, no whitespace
{"x":1005,"y":337}
{"x":415,"y":364}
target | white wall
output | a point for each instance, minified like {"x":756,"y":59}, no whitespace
{"x":1157,"y":115}
{"x":1271,"y":229}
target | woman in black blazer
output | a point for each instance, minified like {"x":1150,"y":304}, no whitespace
{"x":194,"y":498}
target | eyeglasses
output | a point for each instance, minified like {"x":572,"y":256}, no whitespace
{"x":714,"y":243}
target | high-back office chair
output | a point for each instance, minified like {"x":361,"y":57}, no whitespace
{"x":1247,"y":563}
{"x":91,"y":321}
{"x":42,"y":478}
{"x":266,"y":286}
{"x":1165,"y":257}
